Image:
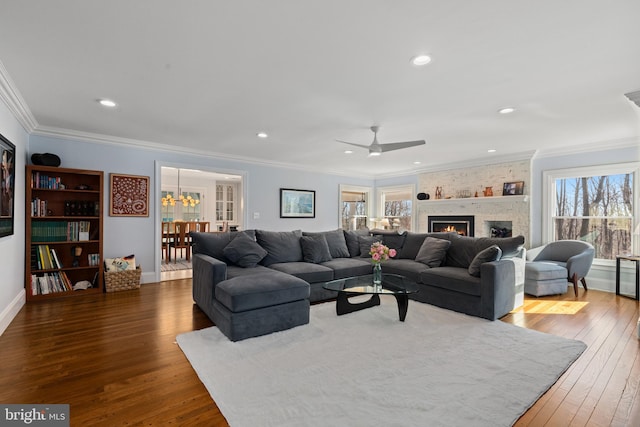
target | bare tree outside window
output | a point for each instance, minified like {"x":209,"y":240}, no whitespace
{"x":598,"y":210}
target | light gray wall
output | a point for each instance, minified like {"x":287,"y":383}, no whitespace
{"x":12,"y":295}
{"x":130,"y":235}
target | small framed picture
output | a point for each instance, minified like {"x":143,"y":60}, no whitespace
{"x":297,"y":203}
{"x":515,"y":188}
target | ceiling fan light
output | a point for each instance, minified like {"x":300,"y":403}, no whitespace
{"x":107,"y":103}
{"x":420,"y":60}
{"x":375,"y":153}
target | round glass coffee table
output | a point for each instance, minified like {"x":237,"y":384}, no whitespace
{"x":392,"y":284}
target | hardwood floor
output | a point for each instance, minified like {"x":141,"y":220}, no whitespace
{"x":114,"y":359}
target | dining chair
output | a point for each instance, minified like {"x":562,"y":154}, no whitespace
{"x":181,"y":240}
{"x":165,"y":239}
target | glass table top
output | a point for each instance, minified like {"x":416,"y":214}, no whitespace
{"x":391,"y":284}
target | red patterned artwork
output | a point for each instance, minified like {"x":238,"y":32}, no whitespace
{"x":129,"y":195}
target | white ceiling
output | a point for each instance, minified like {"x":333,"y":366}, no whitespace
{"x":206,"y":76}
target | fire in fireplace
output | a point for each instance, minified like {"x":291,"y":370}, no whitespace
{"x":461,"y":224}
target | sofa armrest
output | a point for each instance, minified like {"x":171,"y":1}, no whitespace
{"x":207,"y":273}
{"x":580,"y":264}
{"x":498,"y":284}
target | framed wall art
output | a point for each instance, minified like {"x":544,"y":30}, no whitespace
{"x":513,"y":188}
{"x":129,"y":195}
{"x":297,"y":203}
{"x":7,"y":185}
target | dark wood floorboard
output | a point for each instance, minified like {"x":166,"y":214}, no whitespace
{"x":114,"y":358}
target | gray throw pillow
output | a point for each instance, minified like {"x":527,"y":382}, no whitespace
{"x":336,"y":242}
{"x":365,"y":243}
{"x":281,"y":246}
{"x":433,"y":251}
{"x":244,"y":252}
{"x":492,"y":253}
{"x":351,"y":237}
{"x":315,"y":249}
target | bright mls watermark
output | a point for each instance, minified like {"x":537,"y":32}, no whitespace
{"x":34,"y":415}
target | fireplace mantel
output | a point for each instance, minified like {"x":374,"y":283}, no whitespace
{"x":474,"y":200}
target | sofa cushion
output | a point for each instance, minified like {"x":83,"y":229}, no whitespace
{"x":365,"y":243}
{"x":213,"y":244}
{"x":282,"y":246}
{"x":260,"y":290}
{"x":312,"y":273}
{"x":351,"y":238}
{"x":244,"y":251}
{"x":315,"y":249}
{"x":336,"y":241}
{"x":492,"y":253}
{"x":348,"y":267}
{"x":433,"y":251}
{"x":405,"y":267}
{"x":452,"y":278}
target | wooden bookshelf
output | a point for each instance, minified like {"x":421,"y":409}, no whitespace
{"x":64,"y":231}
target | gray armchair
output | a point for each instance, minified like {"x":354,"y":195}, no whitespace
{"x":574,"y":255}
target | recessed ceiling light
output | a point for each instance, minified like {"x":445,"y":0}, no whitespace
{"x":262,"y":135}
{"x":506,"y":110}
{"x":420,"y":60}
{"x":491,"y":150}
{"x":416,"y":163}
{"x":348,"y":151}
{"x":107,"y":103}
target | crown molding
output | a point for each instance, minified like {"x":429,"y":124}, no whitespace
{"x":15,"y":102}
{"x":589,"y":147}
{"x":68,"y":134}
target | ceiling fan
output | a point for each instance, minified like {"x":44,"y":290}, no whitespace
{"x":375,"y":149}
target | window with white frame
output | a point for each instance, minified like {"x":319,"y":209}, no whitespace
{"x":396,"y":207}
{"x":595,"y":205}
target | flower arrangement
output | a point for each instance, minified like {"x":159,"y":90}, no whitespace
{"x":380,"y":253}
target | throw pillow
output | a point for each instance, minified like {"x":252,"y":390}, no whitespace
{"x":433,"y":251}
{"x":244,"y":252}
{"x":492,"y":253}
{"x":351,"y":238}
{"x":336,"y":242}
{"x":365,"y":243}
{"x":116,"y":264}
{"x":281,"y":246}
{"x":315,"y":249}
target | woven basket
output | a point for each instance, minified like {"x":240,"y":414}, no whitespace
{"x":122,"y":280}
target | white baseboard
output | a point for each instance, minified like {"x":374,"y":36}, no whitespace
{"x":9,"y":313}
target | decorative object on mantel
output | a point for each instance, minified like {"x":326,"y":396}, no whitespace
{"x":129,"y":195}
{"x":438,"y":193}
{"x":423,"y":196}
{"x":488,"y":192}
{"x":513,"y":188}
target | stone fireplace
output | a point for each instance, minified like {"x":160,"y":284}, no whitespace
{"x":461,"y":224}
{"x":496,"y":216}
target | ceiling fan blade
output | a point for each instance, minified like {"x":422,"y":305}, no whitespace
{"x":399,"y":145}
{"x":351,"y":143}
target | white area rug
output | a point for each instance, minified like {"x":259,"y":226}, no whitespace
{"x":438,"y":368}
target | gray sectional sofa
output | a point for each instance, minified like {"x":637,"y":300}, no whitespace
{"x":256,"y":282}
